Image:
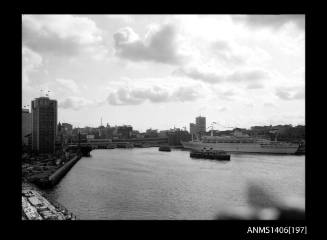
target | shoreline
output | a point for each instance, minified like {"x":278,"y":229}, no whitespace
{"x":37,"y":206}
{"x":39,"y":172}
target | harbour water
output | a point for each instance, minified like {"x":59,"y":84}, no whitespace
{"x":144,"y":183}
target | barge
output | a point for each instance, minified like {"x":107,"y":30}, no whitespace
{"x":164,"y":149}
{"x":213,"y":154}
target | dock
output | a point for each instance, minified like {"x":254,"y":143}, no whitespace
{"x":46,"y":172}
{"x":35,"y":206}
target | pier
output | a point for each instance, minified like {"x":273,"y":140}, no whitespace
{"x":35,"y":206}
{"x":47,"y":171}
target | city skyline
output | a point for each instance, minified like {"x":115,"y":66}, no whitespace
{"x":160,"y":71}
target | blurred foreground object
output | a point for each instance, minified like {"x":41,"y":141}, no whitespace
{"x":265,"y":206}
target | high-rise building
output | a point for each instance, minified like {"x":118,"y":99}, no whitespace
{"x":193,"y":130}
{"x":201,"y":124}
{"x":26,"y":127}
{"x":44,"y":127}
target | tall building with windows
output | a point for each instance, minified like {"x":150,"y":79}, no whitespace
{"x":44,"y":124}
{"x":200,"y":123}
{"x":26,"y":127}
{"x":193,"y":129}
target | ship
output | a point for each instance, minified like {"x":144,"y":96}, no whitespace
{"x":164,"y":149}
{"x":242,"y":144}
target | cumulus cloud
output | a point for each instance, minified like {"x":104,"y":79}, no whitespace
{"x":226,"y":95}
{"x":184,"y":94}
{"x":222,"y":109}
{"x":290,"y":93}
{"x":61,"y":34}
{"x":274,"y":21}
{"x":196,"y":74}
{"x":120,"y":17}
{"x":69,"y":84}
{"x":248,"y":76}
{"x":31,"y":61}
{"x":224,"y":52}
{"x":155,"y":94}
{"x":75,"y":103}
{"x":269,"y":105}
{"x":255,"y":86}
{"x":158,"y":46}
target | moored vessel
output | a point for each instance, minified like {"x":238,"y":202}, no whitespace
{"x":244,"y":144}
{"x":164,"y":149}
{"x":214,"y":154}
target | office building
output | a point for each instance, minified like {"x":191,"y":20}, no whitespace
{"x":26,"y":127}
{"x":193,"y":130}
{"x":44,"y":124}
{"x":201,"y":124}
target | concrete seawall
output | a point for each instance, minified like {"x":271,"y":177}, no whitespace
{"x":57,"y":175}
{"x":36,"y":206}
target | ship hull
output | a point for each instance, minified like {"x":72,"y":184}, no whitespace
{"x":288,"y":148}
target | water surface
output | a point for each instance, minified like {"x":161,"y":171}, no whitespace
{"x":143,"y":183}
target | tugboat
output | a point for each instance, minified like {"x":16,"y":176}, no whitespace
{"x":210,"y":154}
{"x":164,"y":149}
{"x":85,"y":150}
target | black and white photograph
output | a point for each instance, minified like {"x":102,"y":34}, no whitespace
{"x":163,"y":117}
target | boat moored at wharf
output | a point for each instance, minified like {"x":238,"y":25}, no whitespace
{"x":243,"y":144}
{"x":164,"y":149}
{"x":214,"y":154}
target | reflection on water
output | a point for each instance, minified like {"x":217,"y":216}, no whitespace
{"x":148,"y":184}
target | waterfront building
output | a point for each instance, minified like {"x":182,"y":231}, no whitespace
{"x":140,"y":135}
{"x":200,"y":123}
{"x":240,"y":132}
{"x":193,"y":130}
{"x":59,"y":135}
{"x":151,"y":133}
{"x":26,"y":127}
{"x":176,"y":136}
{"x":102,"y":132}
{"x":125,"y":132}
{"x":163,"y":133}
{"x":67,"y":128}
{"x":109,"y":132}
{"x":44,"y":124}
{"x":90,"y":136}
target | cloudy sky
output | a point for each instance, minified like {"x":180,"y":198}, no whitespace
{"x":161,"y":71}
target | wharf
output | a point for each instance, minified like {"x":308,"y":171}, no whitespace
{"x":47,"y":171}
{"x":35,"y":206}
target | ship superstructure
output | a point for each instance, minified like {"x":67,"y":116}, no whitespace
{"x":241,"y":143}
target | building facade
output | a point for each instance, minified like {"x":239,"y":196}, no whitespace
{"x":44,"y":124}
{"x":26,"y":127}
{"x":200,"y":123}
{"x":67,"y":128}
{"x":151,"y":133}
{"x":193,"y":130}
{"x":125,"y":132}
{"x":176,"y":136}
